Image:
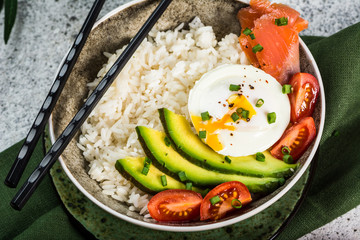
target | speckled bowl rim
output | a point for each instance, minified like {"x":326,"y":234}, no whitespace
{"x":214,"y":225}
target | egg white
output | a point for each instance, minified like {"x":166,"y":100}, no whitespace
{"x":211,"y":91}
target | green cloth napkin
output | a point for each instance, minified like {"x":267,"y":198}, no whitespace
{"x":334,"y":190}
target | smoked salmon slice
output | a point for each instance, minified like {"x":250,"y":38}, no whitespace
{"x":268,"y":45}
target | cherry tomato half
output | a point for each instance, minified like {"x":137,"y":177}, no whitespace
{"x":297,"y":138}
{"x":175,"y":205}
{"x":226,"y":193}
{"x":303,"y":98}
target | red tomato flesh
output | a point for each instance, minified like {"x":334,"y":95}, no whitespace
{"x":305,"y":93}
{"x":297,"y":138}
{"x":175,"y":205}
{"x":227,"y":192}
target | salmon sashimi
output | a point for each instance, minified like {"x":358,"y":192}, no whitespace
{"x":269,"y":37}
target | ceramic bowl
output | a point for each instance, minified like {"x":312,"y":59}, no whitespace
{"x":111,"y":33}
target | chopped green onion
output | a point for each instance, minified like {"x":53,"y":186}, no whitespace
{"x":286,"y":89}
{"x":188,"y":186}
{"x":163,"y":180}
{"x":182,"y":176}
{"x":245,"y":114}
{"x":202,"y":134}
{"x":235,"y":203}
{"x":271,"y":117}
{"x":247,"y":31}
{"x":252,"y":36}
{"x":259,"y":103}
{"x":260,"y":157}
{"x":227,"y":159}
{"x":281,"y":21}
{"x":145,"y":170}
{"x":214,"y":200}
{"x":285,"y":150}
{"x":234,"y":87}
{"x":167,"y":141}
{"x":257,"y":48}
{"x":235,"y":117}
{"x":205,"y":116}
{"x":147,"y":161}
{"x":239,"y":111}
{"x":335,"y":133}
{"x":288,"y":159}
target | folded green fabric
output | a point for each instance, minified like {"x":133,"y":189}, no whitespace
{"x":334,"y":190}
{"x":43,"y":217}
{"x":336,"y":184}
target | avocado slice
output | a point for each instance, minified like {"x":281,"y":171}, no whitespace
{"x":168,"y":160}
{"x":131,"y":168}
{"x":192,"y":148}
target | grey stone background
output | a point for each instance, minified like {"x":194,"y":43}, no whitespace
{"x":45,"y":30}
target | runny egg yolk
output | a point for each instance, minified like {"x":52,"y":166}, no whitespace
{"x":211,"y":126}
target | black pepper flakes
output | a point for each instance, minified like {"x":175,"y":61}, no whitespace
{"x":231,"y":134}
{"x":231,"y":105}
{"x":248,"y":119}
{"x":251,"y":87}
{"x":219,"y":102}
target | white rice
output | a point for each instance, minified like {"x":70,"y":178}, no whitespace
{"x":160,"y":74}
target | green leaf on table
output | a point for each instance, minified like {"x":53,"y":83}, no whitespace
{"x":10,"y":16}
{"x":1,"y":4}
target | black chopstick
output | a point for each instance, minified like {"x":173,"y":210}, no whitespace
{"x":38,"y":126}
{"x":60,"y":144}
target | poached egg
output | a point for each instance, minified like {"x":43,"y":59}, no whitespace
{"x":224,"y":107}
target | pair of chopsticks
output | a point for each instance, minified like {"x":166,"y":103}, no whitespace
{"x":37,"y":128}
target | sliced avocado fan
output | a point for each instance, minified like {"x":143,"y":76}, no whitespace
{"x":168,"y":160}
{"x":131,"y":169}
{"x":190,"y":146}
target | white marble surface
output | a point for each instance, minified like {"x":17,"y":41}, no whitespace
{"x":44,"y":31}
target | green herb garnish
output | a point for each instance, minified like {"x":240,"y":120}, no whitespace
{"x":281,"y":21}
{"x":205,"y":116}
{"x":271,"y":117}
{"x":245,"y":114}
{"x":163,"y":180}
{"x":182,"y":176}
{"x":234,"y":87}
{"x":227,"y":159}
{"x":257,"y":48}
{"x":145,"y":170}
{"x":286,"y":89}
{"x":259,"y":103}
{"x":288,"y":159}
{"x":285,"y":150}
{"x":214,"y":200}
{"x":247,"y":31}
{"x":202,"y":134}
{"x":235,"y":117}
{"x":260,"y":157}
{"x":235,"y":203}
